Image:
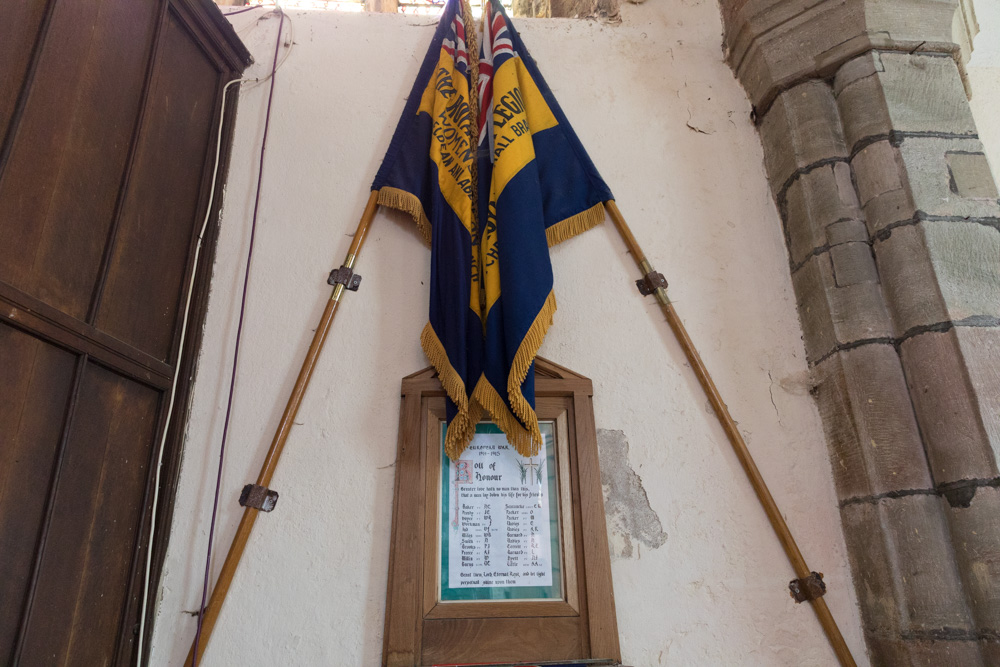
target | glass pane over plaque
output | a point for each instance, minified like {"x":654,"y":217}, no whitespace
{"x":500,"y":537}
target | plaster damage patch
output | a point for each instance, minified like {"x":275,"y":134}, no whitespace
{"x":627,"y":508}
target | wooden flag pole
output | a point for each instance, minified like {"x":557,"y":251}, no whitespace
{"x":214,"y":606}
{"x":236,"y":549}
{"x":739,"y":446}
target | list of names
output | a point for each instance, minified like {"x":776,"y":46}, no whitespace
{"x":499,"y":533}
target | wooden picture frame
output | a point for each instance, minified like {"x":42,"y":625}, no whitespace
{"x":421,"y":630}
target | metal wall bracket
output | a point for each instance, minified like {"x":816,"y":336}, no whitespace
{"x":807,"y":588}
{"x":650,"y":282}
{"x":258,"y":497}
{"x":346,"y":277}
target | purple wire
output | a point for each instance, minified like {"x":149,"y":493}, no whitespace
{"x":236,"y":352}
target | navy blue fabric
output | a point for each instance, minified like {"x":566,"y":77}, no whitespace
{"x":525,"y":279}
{"x":559,"y":183}
{"x":567,"y":175}
{"x":405,"y":163}
{"x":408,"y":166}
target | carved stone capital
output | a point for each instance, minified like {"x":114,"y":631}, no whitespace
{"x":775,"y":44}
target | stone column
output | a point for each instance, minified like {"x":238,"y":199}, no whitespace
{"x":892,"y":222}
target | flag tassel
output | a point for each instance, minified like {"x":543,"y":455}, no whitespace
{"x":518,"y":437}
{"x":401,"y":200}
{"x":463,"y":425}
{"x":521,"y":424}
{"x":519,"y":368}
{"x":774,"y":515}
{"x":576,"y":224}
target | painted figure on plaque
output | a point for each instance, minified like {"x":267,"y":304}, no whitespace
{"x":463,"y":475}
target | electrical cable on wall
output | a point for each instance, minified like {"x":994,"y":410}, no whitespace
{"x":184,"y":328}
{"x":239,"y":335}
{"x":173,"y":387}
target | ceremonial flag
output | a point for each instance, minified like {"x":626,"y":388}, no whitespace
{"x":429,"y":172}
{"x":490,"y":215}
{"x":543,"y":189}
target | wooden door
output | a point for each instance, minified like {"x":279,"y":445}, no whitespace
{"x":109,"y":111}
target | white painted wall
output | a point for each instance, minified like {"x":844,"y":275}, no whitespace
{"x":668,"y":126}
{"x":984,"y":75}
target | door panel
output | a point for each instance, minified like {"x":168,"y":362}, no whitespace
{"x":61,"y":180}
{"x":108,"y":120}
{"x":36,"y":380}
{"x":15,"y":53}
{"x":83,"y":576}
{"x":143,"y":290}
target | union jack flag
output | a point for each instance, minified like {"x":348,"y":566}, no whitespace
{"x":499,"y":36}
{"x":485,"y":87}
{"x":454,"y":44}
{"x":497,"y":48}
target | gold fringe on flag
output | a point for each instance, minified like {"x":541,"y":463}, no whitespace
{"x":521,"y":430}
{"x":526,"y":353}
{"x":463,"y":426}
{"x":404,"y":201}
{"x":517,"y":436}
{"x":576,"y":224}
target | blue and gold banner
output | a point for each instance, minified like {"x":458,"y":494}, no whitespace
{"x":543,"y":189}
{"x":429,"y":172}
{"x":490,"y":192}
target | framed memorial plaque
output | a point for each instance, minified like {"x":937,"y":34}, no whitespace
{"x":496,"y":557}
{"x":499,"y":523}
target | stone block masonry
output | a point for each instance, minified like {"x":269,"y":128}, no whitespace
{"x":891,"y":218}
